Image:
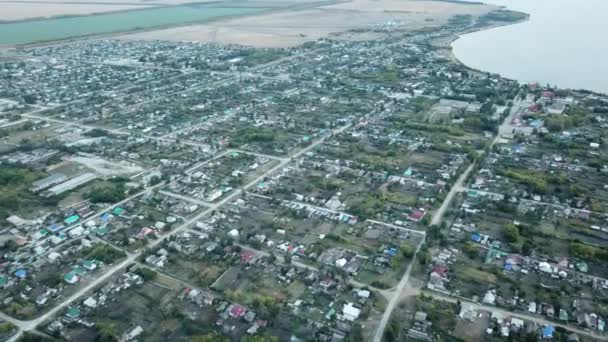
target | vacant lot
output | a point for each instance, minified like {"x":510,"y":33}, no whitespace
{"x":283,"y":29}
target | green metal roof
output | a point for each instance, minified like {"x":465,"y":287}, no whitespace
{"x":73,"y":312}
{"x":72,"y":219}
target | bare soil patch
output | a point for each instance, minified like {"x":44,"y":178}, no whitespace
{"x":291,"y":28}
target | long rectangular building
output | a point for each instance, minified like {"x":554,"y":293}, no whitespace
{"x":71,"y":184}
{"x":47,"y":182}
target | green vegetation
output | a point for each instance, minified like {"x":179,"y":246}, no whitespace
{"x":451,"y":130}
{"x":534,"y":180}
{"x":107,"y":330}
{"x":393,"y":330}
{"x":389,"y":74}
{"x":407,"y":252}
{"x":146,"y":273}
{"x":575,"y":117}
{"x":368,"y":207}
{"x":502,"y":15}
{"x":470,"y":250}
{"x":460,"y":20}
{"x":259,"y":56}
{"x":29,"y":337}
{"x":97,"y":133}
{"x":14,"y":194}
{"x":5,"y":327}
{"x":111,"y":192}
{"x":254,"y":134}
{"x":511,"y":233}
{"x":105,"y":254}
{"x":210,"y":337}
{"x":421,"y":104}
{"x":587,"y":252}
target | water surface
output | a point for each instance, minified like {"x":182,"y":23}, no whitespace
{"x":60,"y":28}
{"x":564,"y":43}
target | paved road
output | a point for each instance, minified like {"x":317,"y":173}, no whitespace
{"x":298,"y":264}
{"x":506,"y":128}
{"x":68,"y":123}
{"x":456,"y":188}
{"x":204,"y":162}
{"x":396,"y":296}
{"x":436,"y":220}
{"x":31,"y":324}
{"x":131,"y":258}
{"x":96,"y":215}
{"x":413,"y":231}
{"x":185,"y":198}
{"x":503,"y":312}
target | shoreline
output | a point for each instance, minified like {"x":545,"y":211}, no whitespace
{"x":92,"y":14}
{"x":264,"y":11}
{"x":455,"y":37}
{"x":450,"y":52}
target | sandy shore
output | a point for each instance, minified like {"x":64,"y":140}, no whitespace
{"x":291,"y":28}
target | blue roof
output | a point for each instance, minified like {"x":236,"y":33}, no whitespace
{"x":54,"y":227}
{"x":105,"y":217}
{"x":548,"y":331}
{"x":391,"y":251}
{"x":508,"y":266}
{"x":21,"y":273}
{"x":518,"y":148}
{"x":536,"y":123}
{"x":475,"y":237}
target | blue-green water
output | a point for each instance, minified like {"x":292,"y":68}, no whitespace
{"x":563,"y":44}
{"x":61,"y":28}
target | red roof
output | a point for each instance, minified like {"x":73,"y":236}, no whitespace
{"x":534,"y":107}
{"x":440,"y":270}
{"x":246,"y":256}
{"x":548,"y":94}
{"x":417,"y":215}
{"x":237,"y":311}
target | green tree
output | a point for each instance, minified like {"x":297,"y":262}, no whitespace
{"x":210,"y":337}
{"x":470,"y":249}
{"x":511,"y":233}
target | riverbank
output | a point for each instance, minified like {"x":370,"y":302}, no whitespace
{"x":238,"y":12}
{"x":31,"y":33}
{"x":293,"y":28}
{"x":559,"y":45}
{"x":446,"y":43}
{"x":26,"y":10}
{"x":286,"y":24}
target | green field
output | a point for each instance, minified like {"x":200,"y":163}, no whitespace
{"x":40,"y":30}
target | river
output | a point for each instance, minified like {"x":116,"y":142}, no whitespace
{"x":562,"y":44}
{"x":40,"y":30}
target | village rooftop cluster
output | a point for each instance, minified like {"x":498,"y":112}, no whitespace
{"x":342,"y":190}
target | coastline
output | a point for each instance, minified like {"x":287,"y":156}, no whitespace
{"x":211,"y":4}
{"x":450,"y":50}
{"x":583,"y":84}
